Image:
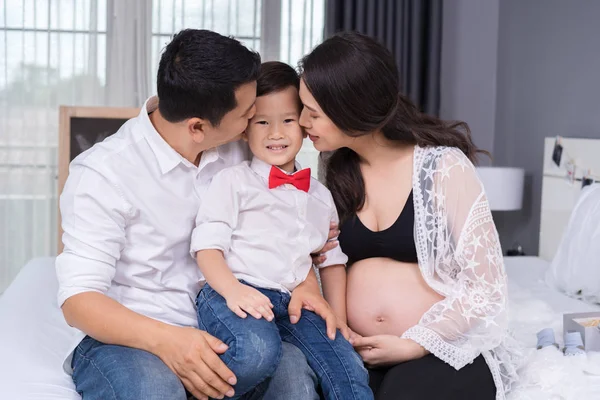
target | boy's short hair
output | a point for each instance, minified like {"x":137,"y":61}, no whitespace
{"x":198,"y":74}
{"x":276,"y":76}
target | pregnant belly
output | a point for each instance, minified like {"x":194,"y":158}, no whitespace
{"x":386,"y":297}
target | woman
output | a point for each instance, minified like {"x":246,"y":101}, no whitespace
{"x":426,"y":287}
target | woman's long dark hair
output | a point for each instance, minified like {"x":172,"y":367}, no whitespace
{"x":355,"y":81}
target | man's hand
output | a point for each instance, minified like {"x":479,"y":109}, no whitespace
{"x":384,"y":350}
{"x":319,"y":257}
{"x":192,"y":355}
{"x":242,"y":299}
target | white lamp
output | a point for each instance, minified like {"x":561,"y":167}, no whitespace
{"x":503,"y":187}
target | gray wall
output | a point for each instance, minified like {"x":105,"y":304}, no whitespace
{"x":468,"y":66}
{"x":548,"y":84}
{"x":545,"y":82}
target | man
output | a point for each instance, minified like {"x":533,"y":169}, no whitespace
{"x":126,"y":279}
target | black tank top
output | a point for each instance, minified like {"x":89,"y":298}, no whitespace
{"x":397,"y":242}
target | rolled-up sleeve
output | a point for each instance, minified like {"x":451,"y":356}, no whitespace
{"x":218,"y":214}
{"x":334,"y":256}
{"x":94,"y":216}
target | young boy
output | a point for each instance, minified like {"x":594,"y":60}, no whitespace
{"x":256,"y":228}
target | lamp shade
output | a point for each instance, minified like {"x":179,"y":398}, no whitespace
{"x":503,"y":187}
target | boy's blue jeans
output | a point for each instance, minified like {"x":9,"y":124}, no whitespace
{"x":255,"y":346}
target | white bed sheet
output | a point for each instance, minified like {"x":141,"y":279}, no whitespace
{"x":546,"y":374}
{"x":34,"y":337}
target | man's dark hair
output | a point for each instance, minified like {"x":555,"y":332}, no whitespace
{"x":198,"y":74}
{"x":276,"y":76}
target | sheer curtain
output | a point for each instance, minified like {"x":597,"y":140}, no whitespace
{"x":52,"y":52}
{"x":103,"y":52}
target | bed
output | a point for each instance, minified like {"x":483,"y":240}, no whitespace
{"x":35,"y":337}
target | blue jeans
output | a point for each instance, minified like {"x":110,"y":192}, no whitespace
{"x":109,"y":372}
{"x":255,"y":346}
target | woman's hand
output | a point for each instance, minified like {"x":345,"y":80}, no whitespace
{"x":383,"y":350}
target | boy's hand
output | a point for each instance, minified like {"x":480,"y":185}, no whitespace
{"x":243,"y":299}
{"x":344,"y":330}
{"x":353,"y":336}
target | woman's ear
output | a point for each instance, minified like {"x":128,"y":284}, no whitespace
{"x":245,"y":136}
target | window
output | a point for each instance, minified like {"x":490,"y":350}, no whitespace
{"x":52,"y":52}
{"x":241,"y":19}
{"x":55,"y":52}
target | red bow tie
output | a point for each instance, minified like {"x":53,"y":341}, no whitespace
{"x":300,"y":179}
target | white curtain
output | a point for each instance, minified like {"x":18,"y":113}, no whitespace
{"x":52,"y":52}
{"x":128,"y":52}
{"x":103,"y":52}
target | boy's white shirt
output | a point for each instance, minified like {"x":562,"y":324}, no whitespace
{"x":266,"y":235}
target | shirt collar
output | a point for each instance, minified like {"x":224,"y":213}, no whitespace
{"x":209,"y":156}
{"x":166,"y":156}
{"x":263,"y":169}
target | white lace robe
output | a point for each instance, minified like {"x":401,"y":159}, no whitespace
{"x":460,"y":257}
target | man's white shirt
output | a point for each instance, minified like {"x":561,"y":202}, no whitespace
{"x":128,"y":210}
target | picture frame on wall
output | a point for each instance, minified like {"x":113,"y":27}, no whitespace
{"x":79,"y":129}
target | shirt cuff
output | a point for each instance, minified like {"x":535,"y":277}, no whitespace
{"x":77,"y":274}
{"x":213,"y":236}
{"x":65,"y":292}
{"x":334,"y":256}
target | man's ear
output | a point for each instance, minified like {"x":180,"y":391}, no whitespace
{"x":198,"y":128}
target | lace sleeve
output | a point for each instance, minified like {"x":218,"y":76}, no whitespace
{"x":465,"y":259}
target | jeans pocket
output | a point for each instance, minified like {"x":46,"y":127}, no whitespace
{"x":80,"y":352}
{"x":207,"y":293}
